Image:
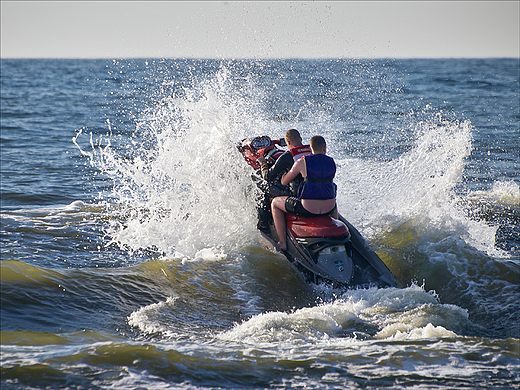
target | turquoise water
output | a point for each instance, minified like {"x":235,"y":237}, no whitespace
{"x":130,"y":256}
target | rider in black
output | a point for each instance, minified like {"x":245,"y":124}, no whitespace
{"x":286,"y":160}
{"x":273,"y":174}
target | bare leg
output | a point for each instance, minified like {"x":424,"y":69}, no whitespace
{"x":278,"y":210}
{"x":335,"y":214}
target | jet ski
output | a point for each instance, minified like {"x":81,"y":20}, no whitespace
{"x":324,"y":249}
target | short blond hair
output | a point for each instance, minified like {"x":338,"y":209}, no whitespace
{"x":293,"y":136}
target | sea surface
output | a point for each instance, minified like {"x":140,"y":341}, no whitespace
{"x":130,"y":257}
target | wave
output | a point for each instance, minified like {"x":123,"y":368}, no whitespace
{"x":499,"y":207}
{"x":473,"y":362}
{"x":360,"y":314}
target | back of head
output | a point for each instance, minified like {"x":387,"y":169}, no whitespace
{"x":317,"y":144}
{"x":293,"y":137}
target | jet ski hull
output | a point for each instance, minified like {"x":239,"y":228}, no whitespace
{"x":342,"y":261}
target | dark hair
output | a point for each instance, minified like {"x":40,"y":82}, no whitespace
{"x":317,"y":143}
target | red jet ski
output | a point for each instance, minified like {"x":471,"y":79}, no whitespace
{"x":323,"y":249}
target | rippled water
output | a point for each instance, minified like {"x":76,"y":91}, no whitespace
{"x":130,"y":256}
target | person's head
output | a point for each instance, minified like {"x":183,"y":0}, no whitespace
{"x":293,"y":138}
{"x":318,"y":144}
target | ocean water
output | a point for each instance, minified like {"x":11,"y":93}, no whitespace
{"x":130,"y":257}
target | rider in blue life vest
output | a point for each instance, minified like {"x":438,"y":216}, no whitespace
{"x":316,"y":194}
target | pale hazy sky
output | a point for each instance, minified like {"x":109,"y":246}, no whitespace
{"x":213,"y":29}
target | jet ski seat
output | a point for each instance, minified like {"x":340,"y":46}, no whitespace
{"x":325,"y":226}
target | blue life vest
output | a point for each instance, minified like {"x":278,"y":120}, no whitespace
{"x":318,"y":184}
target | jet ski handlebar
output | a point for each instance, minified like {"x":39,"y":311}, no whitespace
{"x":254,"y":148}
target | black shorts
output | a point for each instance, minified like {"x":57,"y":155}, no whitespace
{"x":294,"y":205}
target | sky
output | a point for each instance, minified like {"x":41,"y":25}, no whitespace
{"x":276,"y":29}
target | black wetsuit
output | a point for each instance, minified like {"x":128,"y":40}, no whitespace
{"x":282,"y":165}
{"x":272,"y":187}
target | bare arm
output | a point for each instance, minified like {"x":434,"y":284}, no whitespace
{"x":298,"y":167}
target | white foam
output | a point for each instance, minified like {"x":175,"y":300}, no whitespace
{"x":147,"y":318}
{"x":427,"y":332}
{"x":390,"y":313}
{"x":508,"y":192}
{"x":503,"y":193}
{"x":75,"y":206}
{"x":418,"y":183}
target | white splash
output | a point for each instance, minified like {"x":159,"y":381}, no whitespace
{"x":417,"y":186}
{"x":183,"y":186}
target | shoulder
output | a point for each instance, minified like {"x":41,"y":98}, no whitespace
{"x":329,"y":159}
{"x":324,"y":157}
{"x":300,"y":149}
{"x":320,"y":158}
{"x":299,"y":163}
{"x":286,"y":157}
